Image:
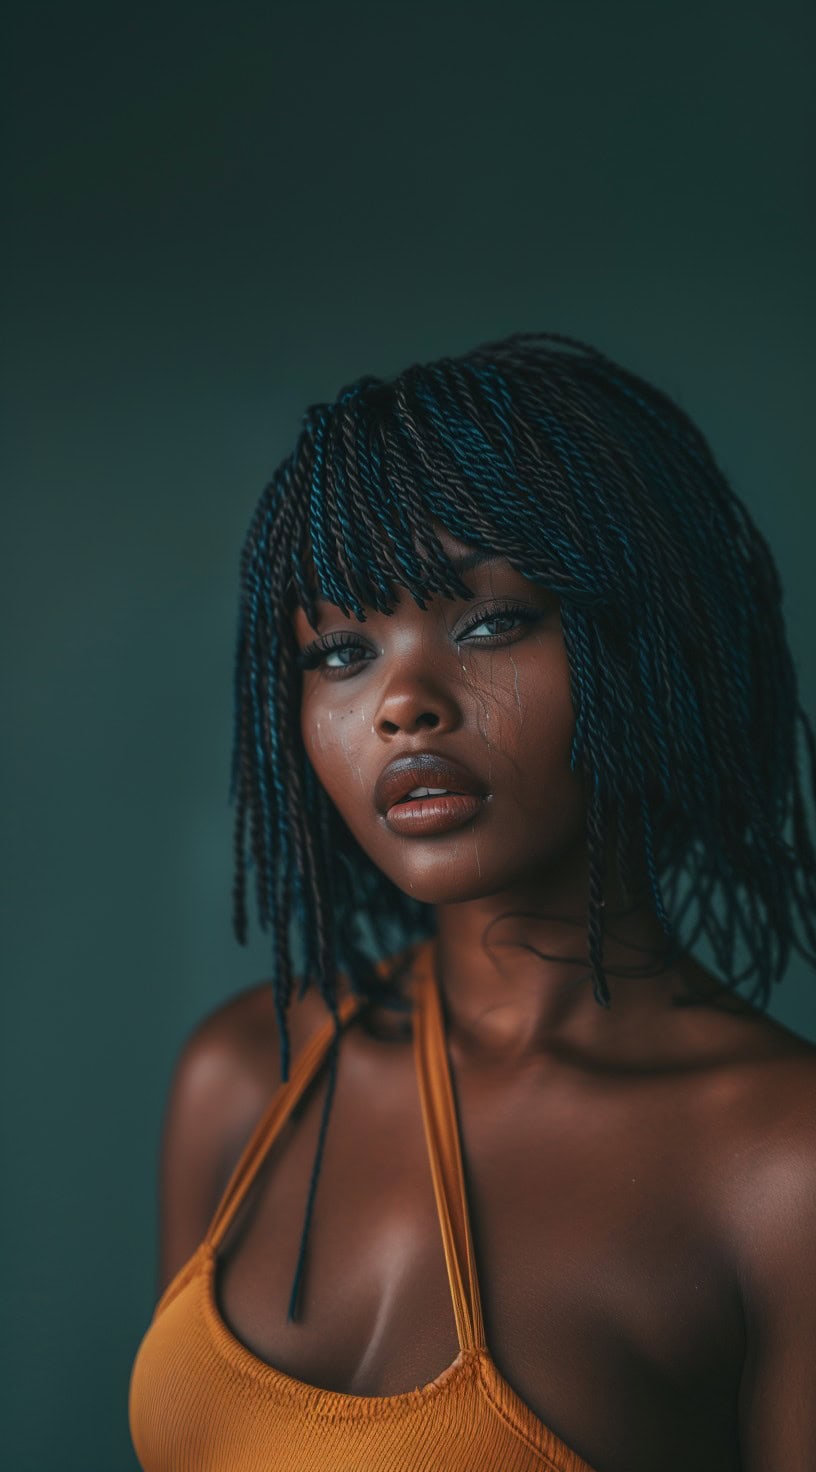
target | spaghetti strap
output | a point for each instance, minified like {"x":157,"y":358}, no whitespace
{"x":273,"y":1119}
{"x":444,"y":1149}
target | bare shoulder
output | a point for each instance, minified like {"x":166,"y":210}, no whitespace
{"x":763,"y":1073}
{"x":733,"y":1040}
{"x":765,"y":1099}
{"x":230,"y":1064}
{"x":778,"y":1115}
{"x":748,"y":1091}
{"x":771,"y":1184}
{"x":227,"y":1070}
{"x":238,"y":1042}
{"x":777,"y":1098}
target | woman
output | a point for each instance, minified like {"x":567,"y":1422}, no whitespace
{"x":516,"y":725}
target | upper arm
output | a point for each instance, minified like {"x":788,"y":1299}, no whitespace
{"x":777,"y":1400}
{"x":213,"y":1102}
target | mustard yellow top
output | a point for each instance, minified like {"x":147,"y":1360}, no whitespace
{"x":201,"y":1402}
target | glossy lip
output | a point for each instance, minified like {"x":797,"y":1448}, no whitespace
{"x":420,"y":817}
{"x":423,"y":769}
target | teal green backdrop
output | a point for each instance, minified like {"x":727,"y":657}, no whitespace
{"x":216,"y":215}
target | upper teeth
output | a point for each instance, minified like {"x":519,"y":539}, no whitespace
{"x":427,"y":791}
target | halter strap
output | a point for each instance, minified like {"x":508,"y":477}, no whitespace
{"x":441,"y":1135}
{"x":444,"y":1149}
{"x":274,"y":1117}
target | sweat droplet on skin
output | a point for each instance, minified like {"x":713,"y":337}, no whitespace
{"x":516,"y":682}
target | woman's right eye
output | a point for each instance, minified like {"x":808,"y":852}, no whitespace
{"x":317,"y":654}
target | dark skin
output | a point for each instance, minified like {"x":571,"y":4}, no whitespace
{"x":641,"y":1179}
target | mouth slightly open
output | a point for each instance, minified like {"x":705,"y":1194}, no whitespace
{"x":427,"y":792}
{"x":421,"y":816}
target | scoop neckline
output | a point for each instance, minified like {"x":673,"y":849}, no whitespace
{"x":321,"y":1400}
{"x":469,"y":1364}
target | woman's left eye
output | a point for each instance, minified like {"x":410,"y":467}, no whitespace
{"x":508,"y":616}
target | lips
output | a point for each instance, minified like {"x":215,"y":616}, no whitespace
{"x":423,"y":769}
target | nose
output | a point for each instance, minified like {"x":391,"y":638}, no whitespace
{"x":416,"y":705}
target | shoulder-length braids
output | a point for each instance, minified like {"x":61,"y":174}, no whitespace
{"x":594,"y":483}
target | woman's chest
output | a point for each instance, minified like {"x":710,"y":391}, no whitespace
{"x":603,"y":1274}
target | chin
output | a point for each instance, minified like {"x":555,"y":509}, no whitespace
{"x":449,"y":884}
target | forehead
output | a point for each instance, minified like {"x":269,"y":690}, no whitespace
{"x":450,"y":544}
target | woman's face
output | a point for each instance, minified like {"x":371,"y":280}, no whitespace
{"x":482,"y":680}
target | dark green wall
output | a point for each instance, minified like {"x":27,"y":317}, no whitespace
{"x":215,"y":216}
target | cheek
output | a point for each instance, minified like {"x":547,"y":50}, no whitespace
{"x":551,"y":721}
{"x":334,"y":740}
{"x":543,"y":802}
{"x":529,"y":717}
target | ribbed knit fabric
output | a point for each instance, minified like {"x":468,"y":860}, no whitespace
{"x":201,"y":1402}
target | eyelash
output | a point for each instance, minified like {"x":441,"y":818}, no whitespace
{"x":312,"y":656}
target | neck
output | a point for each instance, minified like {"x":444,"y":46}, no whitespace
{"x":514,"y":970}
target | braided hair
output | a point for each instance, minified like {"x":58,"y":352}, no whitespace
{"x":590,"y":481}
